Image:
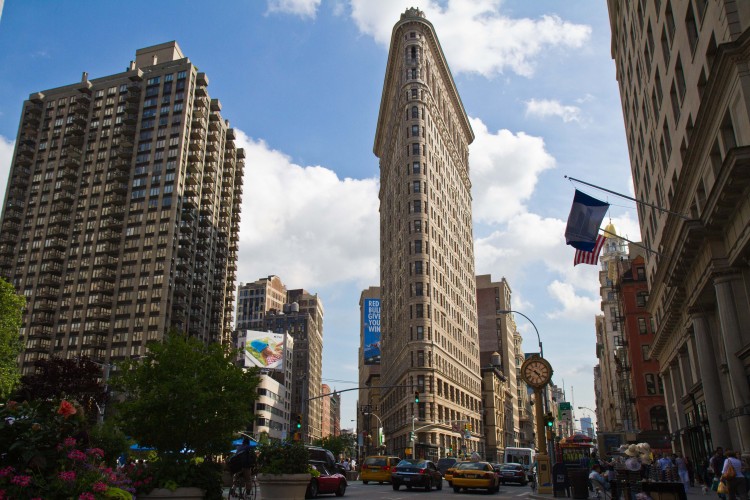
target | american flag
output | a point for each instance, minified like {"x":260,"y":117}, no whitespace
{"x":590,"y":257}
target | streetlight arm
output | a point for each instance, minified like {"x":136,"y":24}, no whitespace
{"x":538,"y":337}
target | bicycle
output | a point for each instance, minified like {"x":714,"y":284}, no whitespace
{"x":242,"y":488}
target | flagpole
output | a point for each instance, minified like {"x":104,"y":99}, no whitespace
{"x":641,"y":245}
{"x":682,"y":216}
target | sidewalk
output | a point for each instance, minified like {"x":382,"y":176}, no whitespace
{"x":694,"y":493}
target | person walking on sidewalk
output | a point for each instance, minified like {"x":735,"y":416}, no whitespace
{"x":682,"y":471}
{"x":731,"y":474}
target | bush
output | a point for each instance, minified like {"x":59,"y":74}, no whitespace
{"x":283,"y":457}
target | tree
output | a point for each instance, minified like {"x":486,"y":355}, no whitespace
{"x":338,"y":445}
{"x":79,"y":379}
{"x":11,"y":316}
{"x":185,"y":397}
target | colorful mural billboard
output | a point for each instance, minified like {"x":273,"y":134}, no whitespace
{"x":265,"y":349}
{"x":371,"y":322}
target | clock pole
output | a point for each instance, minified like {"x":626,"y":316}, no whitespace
{"x":537,"y":372}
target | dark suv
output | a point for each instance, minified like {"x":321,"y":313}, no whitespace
{"x":445,"y":463}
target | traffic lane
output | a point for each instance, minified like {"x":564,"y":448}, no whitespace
{"x":375,"y":491}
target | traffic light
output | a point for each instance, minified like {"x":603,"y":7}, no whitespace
{"x":416,"y":396}
{"x":411,"y":436}
{"x":298,"y":425}
{"x":549,"y":421}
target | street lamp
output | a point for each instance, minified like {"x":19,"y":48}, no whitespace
{"x":508,"y":311}
{"x":380,"y":425}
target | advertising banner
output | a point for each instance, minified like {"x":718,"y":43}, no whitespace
{"x":371,"y":324}
{"x":265,"y":349}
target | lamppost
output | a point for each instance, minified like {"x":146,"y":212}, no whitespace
{"x":508,"y":311}
{"x":380,"y":427}
{"x":105,"y":377}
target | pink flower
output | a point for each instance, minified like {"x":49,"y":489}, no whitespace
{"x":68,"y":475}
{"x":96,"y":452}
{"x":77,"y":455}
{"x":66,"y":409}
{"x":22,"y":481}
{"x":86,"y":496}
{"x":6,"y":471}
{"x":100,"y":487}
{"x":69,"y":442}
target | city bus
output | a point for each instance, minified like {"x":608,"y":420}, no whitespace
{"x":523,"y":456}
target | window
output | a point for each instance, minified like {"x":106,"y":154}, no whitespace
{"x":642,"y":328}
{"x":414,"y":93}
{"x":692,"y":28}
{"x":415,"y":148}
{"x":153,"y":81}
{"x":658,"y":417}
{"x":418,"y":267}
{"x":414,"y":112}
{"x":419,"y":312}
{"x":641,"y":298}
{"x":640,"y":272}
{"x":417,"y":226}
{"x":420,"y":336}
{"x":417,"y":246}
{"x":416,"y":186}
{"x":650,"y":383}
{"x":415,"y":130}
{"x":415,"y":168}
{"x":418,"y":289}
{"x":644,"y":351}
{"x":417,"y":206}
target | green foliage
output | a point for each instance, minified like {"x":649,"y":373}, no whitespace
{"x":11,"y":314}
{"x":171,"y":475}
{"x":342,"y":445}
{"x":109,"y":438}
{"x":185,"y":397}
{"x":283,"y":457}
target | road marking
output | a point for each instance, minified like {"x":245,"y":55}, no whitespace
{"x":523,"y":494}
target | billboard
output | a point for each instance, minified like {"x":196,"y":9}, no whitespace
{"x":371,"y":328}
{"x":264,"y":349}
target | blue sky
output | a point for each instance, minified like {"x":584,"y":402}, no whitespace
{"x":302,"y":79}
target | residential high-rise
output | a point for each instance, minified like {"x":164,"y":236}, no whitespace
{"x":683,"y":86}
{"x":121,"y":217}
{"x":267,"y":305}
{"x":428,"y":291}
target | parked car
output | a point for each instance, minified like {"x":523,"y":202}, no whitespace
{"x":416,"y":472}
{"x":318,"y":454}
{"x":378,"y":468}
{"x":475,"y":475}
{"x":327,"y":482}
{"x":446,"y":463}
{"x":513,"y":473}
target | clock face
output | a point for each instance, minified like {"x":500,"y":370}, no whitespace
{"x":537,"y":372}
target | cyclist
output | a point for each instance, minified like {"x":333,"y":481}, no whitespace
{"x":248,"y":461}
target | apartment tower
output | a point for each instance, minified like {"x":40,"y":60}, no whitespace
{"x":429,"y":334}
{"x":681,"y":67}
{"x":267,"y":305}
{"x":121,"y":217}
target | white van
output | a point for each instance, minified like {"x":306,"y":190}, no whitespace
{"x":523,"y":456}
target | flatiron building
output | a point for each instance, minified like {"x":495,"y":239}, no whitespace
{"x":429,"y":328}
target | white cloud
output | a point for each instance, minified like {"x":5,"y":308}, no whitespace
{"x":505,"y":168}
{"x":474,"y":34}
{"x":302,"y":8}
{"x":6,"y":154}
{"x":305,"y":224}
{"x":547,"y":107}
{"x":574,"y":306}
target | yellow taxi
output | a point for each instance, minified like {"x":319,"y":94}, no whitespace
{"x":378,"y":468}
{"x":448,"y":476}
{"x":475,"y":475}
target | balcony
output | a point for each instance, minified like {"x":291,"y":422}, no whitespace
{"x":44,"y":331}
{"x":100,"y":299}
{"x":114,"y":199}
{"x":102,"y":287}
{"x":11,"y":228}
{"x":46,"y":292}
{"x":134,"y":94}
{"x":74,"y":129}
{"x":26,"y":150}
{"x":43,"y":318}
{"x":59,"y":220}
{"x":106,"y":261}
{"x":197,"y":145}
{"x":45,"y":305}
{"x":117,"y":212}
{"x":52,"y":267}
{"x":104,"y":273}
{"x":58,"y":243}
{"x":119,"y":177}
{"x":130,"y":118}
{"x":49,"y":279}
{"x":63,"y":196}
{"x":53,"y":255}
{"x":108,"y":248}
{"x":125,"y":153}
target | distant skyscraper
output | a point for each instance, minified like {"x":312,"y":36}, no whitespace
{"x":429,"y":312}
{"x":121,"y":217}
{"x":268,"y":306}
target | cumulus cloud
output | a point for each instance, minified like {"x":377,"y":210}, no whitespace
{"x":6,"y":154}
{"x":304,"y":223}
{"x":475,"y":35}
{"x":302,"y":8}
{"x":505,"y":168}
{"x":574,"y":306}
{"x":547,"y":107}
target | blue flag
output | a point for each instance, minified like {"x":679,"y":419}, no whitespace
{"x":585,"y":217}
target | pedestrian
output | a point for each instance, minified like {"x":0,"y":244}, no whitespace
{"x":731,"y":474}
{"x":346,"y":464}
{"x":682,"y":471}
{"x":691,"y":471}
{"x":664,"y":464}
{"x":715,"y":466}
